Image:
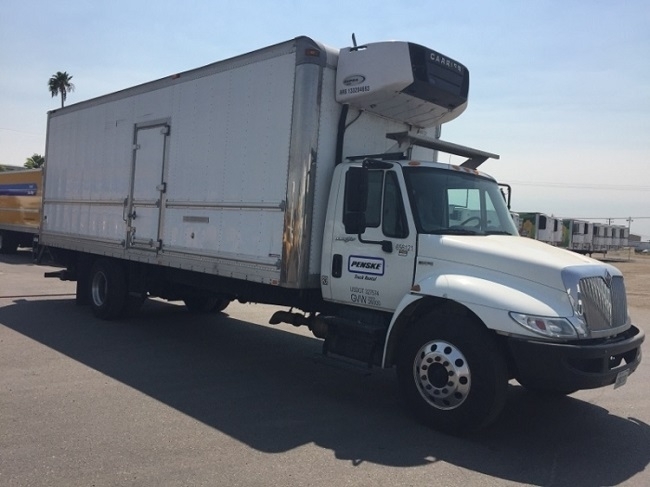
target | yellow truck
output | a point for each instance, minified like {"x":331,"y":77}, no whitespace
{"x":20,"y":208}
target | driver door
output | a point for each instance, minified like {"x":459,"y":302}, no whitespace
{"x":375,"y":269}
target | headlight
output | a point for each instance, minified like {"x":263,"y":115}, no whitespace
{"x":550,"y":327}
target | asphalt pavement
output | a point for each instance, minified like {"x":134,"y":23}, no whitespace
{"x":168,"y":398}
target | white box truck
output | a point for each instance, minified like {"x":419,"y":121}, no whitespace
{"x":303,"y":176}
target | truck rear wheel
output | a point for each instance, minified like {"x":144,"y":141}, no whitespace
{"x":107,"y":289}
{"x":452,"y":374}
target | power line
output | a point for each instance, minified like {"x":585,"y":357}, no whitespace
{"x":614,"y":217}
{"x":20,"y":132}
{"x":611,"y":187}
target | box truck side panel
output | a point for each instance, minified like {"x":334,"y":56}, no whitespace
{"x":89,"y":166}
{"x":198,"y":171}
{"x":229,"y":152}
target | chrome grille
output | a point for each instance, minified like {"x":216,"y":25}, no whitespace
{"x":604,"y":306}
{"x":619,"y":302}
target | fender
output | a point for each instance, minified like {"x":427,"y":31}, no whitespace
{"x":489,"y":295}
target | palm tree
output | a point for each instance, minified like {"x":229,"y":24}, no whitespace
{"x":34,"y":162}
{"x":60,"y":83}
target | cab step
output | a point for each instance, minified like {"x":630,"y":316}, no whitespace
{"x":354,"y":339}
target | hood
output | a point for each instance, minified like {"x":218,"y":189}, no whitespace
{"x":517,"y":256}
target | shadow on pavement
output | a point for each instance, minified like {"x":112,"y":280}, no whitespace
{"x":271,"y":390}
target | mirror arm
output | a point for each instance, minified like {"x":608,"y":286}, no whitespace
{"x":386,"y":245}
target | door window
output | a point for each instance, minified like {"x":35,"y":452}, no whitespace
{"x":385,"y":206}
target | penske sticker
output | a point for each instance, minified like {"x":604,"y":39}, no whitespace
{"x":366,"y":265}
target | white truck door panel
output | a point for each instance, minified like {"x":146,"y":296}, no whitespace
{"x":363,"y":273}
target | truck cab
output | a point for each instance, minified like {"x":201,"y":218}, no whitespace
{"x":430,"y":275}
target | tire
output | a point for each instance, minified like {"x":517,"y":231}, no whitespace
{"x":222,"y":304}
{"x":108,"y":296}
{"x":8,"y":243}
{"x":452,"y":373}
{"x":205,"y":304}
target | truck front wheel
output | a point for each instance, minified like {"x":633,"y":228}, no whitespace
{"x":107,"y":289}
{"x":452,"y":374}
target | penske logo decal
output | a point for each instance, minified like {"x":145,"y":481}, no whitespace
{"x":366,"y":265}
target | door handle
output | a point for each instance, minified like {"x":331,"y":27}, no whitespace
{"x":337,"y":265}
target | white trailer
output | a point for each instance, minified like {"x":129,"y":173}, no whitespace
{"x":625,"y":236}
{"x":556,"y":235}
{"x":303,"y":176}
{"x":578,"y":235}
{"x":620,"y":237}
{"x":547,"y":229}
{"x":599,"y":241}
{"x":609,"y":237}
{"x":616,"y":237}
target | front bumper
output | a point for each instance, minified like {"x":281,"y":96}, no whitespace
{"x":576,"y":365}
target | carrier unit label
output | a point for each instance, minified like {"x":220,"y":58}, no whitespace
{"x":354,"y":89}
{"x":354,"y":79}
{"x":373,"y":266}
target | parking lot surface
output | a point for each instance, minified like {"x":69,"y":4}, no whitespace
{"x":168,"y":398}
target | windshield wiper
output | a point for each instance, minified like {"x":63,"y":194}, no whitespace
{"x":497,"y":232}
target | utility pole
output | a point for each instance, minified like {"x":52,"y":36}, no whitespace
{"x":629,"y":248}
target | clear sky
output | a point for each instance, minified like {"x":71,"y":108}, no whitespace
{"x":559,"y":88}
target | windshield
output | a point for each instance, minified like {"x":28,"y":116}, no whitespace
{"x":446,"y":202}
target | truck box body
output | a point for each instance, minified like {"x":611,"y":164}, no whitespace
{"x":20,"y":205}
{"x":216,"y":170}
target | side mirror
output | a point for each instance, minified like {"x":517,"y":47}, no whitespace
{"x":355,"y":200}
{"x":355,"y":222}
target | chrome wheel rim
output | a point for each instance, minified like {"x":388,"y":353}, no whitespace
{"x":442,"y":375}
